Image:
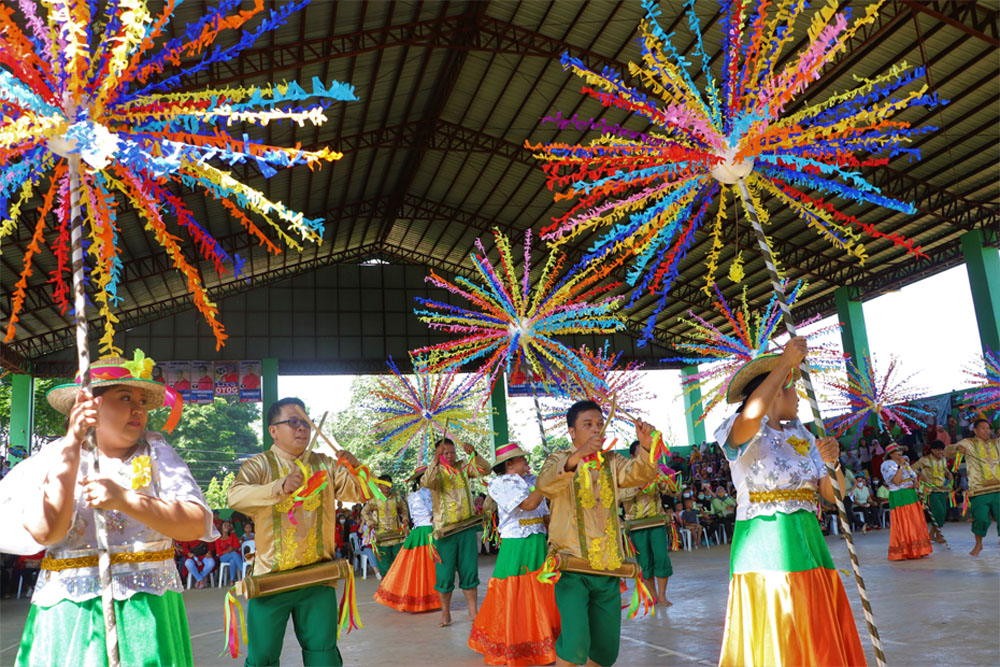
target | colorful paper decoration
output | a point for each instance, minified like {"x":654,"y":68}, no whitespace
{"x":84,"y":82}
{"x":720,"y":355}
{"x":419,"y":411}
{"x":884,"y":400}
{"x":517,"y":319}
{"x":985,"y":400}
{"x":647,"y":193}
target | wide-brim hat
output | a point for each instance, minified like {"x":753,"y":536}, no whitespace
{"x":761,"y":365}
{"x":115,"y":370}
{"x":511,"y":450}
{"x":893,"y":447}
{"x":420,"y":470}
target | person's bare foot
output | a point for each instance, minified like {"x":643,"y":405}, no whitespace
{"x":445,"y":619}
{"x":976,"y":549}
{"x":472,"y":615}
{"x":664,"y":603}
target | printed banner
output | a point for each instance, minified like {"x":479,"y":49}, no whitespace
{"x":250,"y":382}
{"x":178,"y":376}
{"x":227,"y":379}
{"x":202,"y":382}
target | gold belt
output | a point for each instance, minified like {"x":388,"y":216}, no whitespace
{"x":59,"y":564}
{"x":531,"y":522}
{"x":808,"y":495}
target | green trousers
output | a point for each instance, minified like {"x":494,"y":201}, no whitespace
{"x":458,"y":552}
{"x":386,"y":556}
{"x":937,"y":503}
{"x":590,"y":611}
{"x":984,"y":508}
{"x":651,"y":551}
{"x":314,"y":617}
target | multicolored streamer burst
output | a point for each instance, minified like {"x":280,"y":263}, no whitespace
{"x":517,"y":319}
{"x":723,"y":354}
{"x":624,"y":383}
{"x":90,"y":83}
{"x":985,"y":399}
{"x":885,"y":401}
{"x":649,"y":192}
{"x":420,"y":410}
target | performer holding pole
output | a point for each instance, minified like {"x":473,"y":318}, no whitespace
{"x":908,"y":536}
{"x":290,"y":492}
{"x":787,"y":604}
{"x":455,"y":523}
{"x":982,"y":460}
{"x":149,"y":498}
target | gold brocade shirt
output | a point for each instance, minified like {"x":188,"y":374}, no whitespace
{"x":645,"y":502}
{"x":387,"y":517}
{"x":982,"y":464}
{"x":451,"y":493}
{"x":584,"y":516}
{"x":934,"y":469}
{"x":281,"y":544}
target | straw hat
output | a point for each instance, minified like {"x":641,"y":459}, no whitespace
{"x":892,"y":448}
{"x":508,"y":451}
{"x":113,"y":370}
{"x":760,"y":365}
{"x":420,"y":470}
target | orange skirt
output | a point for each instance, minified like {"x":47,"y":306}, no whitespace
{"x":518,"y":622}
{"x":908,"y":536}
{"x":790,"y":618}
{"x":409,"y":583}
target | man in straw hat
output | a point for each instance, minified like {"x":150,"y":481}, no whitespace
{"x":293,"y":532}
{"x":455,"y":523}
{"x":982,"y":460}
{"x":582,"y":486}
{"x":149,"y":498}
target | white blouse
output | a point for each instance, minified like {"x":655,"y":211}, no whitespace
{"x":421,"y":506}
{"x":768,"y":462}
{"x":509,"y":491}
{"x":889,"y":469}
{"x":170,"y":479}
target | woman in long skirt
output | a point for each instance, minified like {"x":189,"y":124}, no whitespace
{"x":908,"y":534}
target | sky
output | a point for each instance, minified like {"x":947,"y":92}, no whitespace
{"x":929,"y":326}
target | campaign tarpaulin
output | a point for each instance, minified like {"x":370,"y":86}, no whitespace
{"x":250,"y":382}
{"x":227,"y":379}
{"x":202,"y":382}
{"x":178,"y":376}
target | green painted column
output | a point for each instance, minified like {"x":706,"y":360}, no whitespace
{"x":22,"y":411}
{"x":498,"y":415}
{"x":852,"y":317}
{"x":268,"y":393}
{"x":693,"y":411}
{"x":983,"y":264}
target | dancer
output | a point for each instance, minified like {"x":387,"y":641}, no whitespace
{"x":518,"y":623}
{"x":291,"y":535}
{"x":455,"y":523}
{"x":584,"y":533}
{"x":646,"y":523}
{"x":982,"y":461}
{"x":787,"y":604}
{"x":390,"y":521}
{"x":149,"y":498}
{"x":908,"y":535}
{"x":409,"y":584}
{"x":937,"y":480}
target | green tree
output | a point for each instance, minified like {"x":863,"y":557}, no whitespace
{"x":217,"y":494}
{"x":537,"y":456}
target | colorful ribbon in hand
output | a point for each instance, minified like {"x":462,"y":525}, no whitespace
{"x":549,"y":572}
{"x":232,"y":610}
{"x":658,"y":448}
{"x":958,"y":461}
{"x":313,"y":486}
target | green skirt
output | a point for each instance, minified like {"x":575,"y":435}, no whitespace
{"x":520,"y":555}
{"x":902,"y":497}
{"x":152,"y":632}
{"x":418,"y":537}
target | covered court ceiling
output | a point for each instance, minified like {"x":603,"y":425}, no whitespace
{"x":448,"y":93}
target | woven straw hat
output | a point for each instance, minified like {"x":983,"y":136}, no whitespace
{"x":109,"y":371}
{"x":765,"y":363}
{"x":508,"y":451}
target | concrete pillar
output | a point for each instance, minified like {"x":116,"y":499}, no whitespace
{"x":22,"y":411}
{"x":693,"y":411}
{"x":852,"y":318}
{"x":498,"y":415}
{"x":268,"y":393}
{"x":983,"y":264}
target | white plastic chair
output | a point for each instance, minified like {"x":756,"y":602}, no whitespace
{"x":225,"y":576}
{"x":884,"y":515}
{"x":249,"y":548}
{"x":685,"y":537}
{"x":359,"y":558}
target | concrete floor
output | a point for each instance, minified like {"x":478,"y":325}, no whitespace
{"x":941,"y":610}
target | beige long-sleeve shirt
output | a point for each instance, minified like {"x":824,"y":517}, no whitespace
{"x":281,"y":544}
{"x":982,"y":464}
{"x":451,"y":493}
{"x":584,"y":521}
{"x":389,"y":519}
{"x":644,"y":502}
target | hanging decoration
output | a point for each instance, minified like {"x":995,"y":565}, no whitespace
{"x":517,"y":319}
{"x":645,"y":195}
{"x":106,"y":90}
{"x":885,"y":401}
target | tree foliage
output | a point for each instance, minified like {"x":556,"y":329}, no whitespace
{"x":48,"y":424}
{"x":217,"y":495}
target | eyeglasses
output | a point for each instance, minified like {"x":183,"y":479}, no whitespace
{"x":295,"y":423}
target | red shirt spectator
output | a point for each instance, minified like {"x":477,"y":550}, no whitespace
{"x":230,"y":542}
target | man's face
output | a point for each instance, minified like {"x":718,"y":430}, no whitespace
{"x":447,"y":452}
{"x":982,"y":430}
{"x":292,"y":437}
{"x":587,"y":424}
{"x":937,"y":453}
